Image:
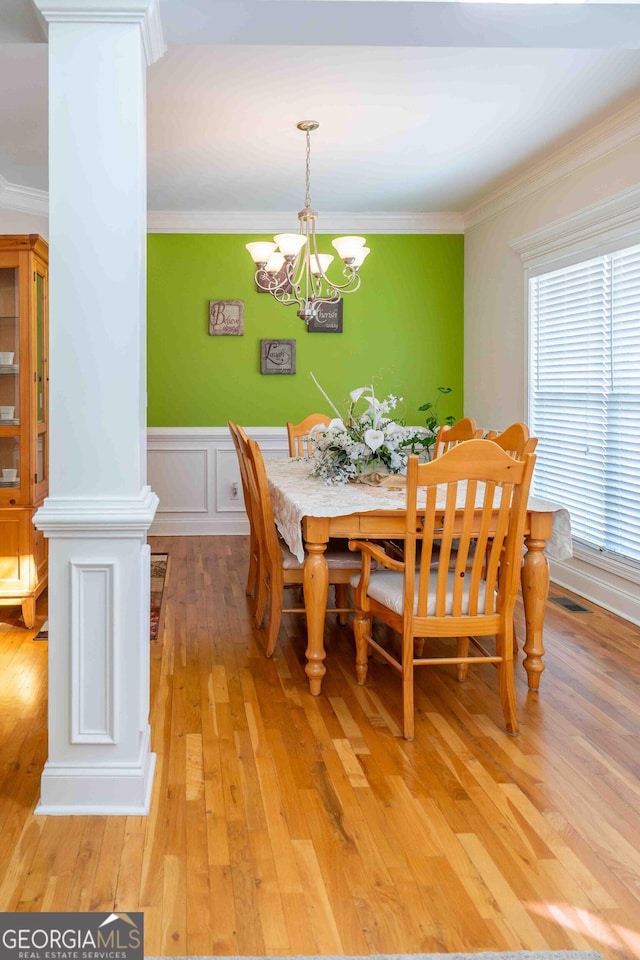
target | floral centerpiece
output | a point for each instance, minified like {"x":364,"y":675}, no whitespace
{"x":363,"y":442}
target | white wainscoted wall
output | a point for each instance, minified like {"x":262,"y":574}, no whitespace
{"x":194,"y":471}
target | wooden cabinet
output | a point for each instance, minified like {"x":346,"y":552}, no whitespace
{"x":24,"y":409}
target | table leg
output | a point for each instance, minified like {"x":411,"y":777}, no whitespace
{"x":316,"y":590}
{"x":535,"y":590}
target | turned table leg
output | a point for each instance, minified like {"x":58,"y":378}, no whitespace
{"x":535,"y":590}
{"x":316,"y":590}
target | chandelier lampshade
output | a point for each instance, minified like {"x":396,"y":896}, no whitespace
{"x":293,"y":271}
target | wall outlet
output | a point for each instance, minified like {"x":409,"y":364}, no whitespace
{"x":235,"y":492}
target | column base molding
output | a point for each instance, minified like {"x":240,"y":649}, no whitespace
{"x":68,"y":789}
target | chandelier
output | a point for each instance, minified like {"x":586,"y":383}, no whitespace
{"x":292,"y":270}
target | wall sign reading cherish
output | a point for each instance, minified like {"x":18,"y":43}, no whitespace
{"x":328,"y":318}
{"x":277,"y":356}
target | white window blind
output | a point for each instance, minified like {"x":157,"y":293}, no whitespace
{"x":584,"y":395}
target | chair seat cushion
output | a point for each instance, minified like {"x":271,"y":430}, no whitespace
{"x":387,"y":587}
{"x":338,"y":557}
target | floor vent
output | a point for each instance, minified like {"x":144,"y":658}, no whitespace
{"x":568,"y":604}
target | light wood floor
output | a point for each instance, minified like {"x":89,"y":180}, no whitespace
{"x":286,"y":824}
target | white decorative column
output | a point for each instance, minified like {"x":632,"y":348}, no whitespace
{"x":99,"y":506}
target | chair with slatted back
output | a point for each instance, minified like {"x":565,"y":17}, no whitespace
{"x":514,"y":439}
{"x":278,"y":567}
{"x":300,"y":434}
{"x":240,"y":442}
{"x":459,"y":432}
{"x":474,"y":498}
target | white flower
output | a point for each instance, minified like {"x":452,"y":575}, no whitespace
{"x":337,"y":424}
{"x":357,"y":393}
{"x":374,"y":439}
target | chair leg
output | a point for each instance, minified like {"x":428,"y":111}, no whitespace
{"x":408,"y":722}
{"x":506,"y":682}
{"x":463,"y":651}
{"x":342,"y":600}
{"x":362,"y":630}
{"x":275,"y":612}
{"x":252,"y":573}
{"x":262,"y":595}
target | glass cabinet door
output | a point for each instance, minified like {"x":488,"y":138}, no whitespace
{"x":9,"y":378}
{"x":41,"y":378}
{"x":9,"y":346}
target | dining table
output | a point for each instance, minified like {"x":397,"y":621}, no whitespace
{"x":308,"y":512}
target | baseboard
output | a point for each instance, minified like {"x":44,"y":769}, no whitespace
{"x":614,"y":593}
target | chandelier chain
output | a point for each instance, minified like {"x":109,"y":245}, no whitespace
{"x":307,"y":199}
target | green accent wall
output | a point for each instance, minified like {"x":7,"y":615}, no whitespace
{"x":403,"y":332}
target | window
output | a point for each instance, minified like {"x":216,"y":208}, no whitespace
{"x":584,"y":395}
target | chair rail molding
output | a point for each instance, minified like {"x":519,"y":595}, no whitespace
{"x":195,"y":472}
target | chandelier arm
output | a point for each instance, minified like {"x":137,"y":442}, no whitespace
{"x":285,"y":298}
{"x":350,"y":286}
{"x":271,"y":281}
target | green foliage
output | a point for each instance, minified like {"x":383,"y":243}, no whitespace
{"x":432,"y":422}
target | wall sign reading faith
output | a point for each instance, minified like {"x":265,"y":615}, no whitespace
{"x":328,"y":318}
{"x":277,"y":356}
{"x":226,"y":318}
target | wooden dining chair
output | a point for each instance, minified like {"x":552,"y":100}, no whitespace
{"x":514,"y":439}
{"x":278,"y":567}
{"x":300,"y":437}
{"x":241,"y":443}
{"x":476,"y":498}
{"x":450,"y":436}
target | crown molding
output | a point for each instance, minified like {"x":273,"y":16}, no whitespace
{"x":25,"y":199}
{"x":29,"y":200}
{"x":621,"y":128}
{"x":617,"y":216}
{"x":146,"y":13}
{"x":259,"y":222}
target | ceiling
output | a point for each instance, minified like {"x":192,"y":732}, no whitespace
{"x":423,"y":106}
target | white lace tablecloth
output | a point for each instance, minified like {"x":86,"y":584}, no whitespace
{"x":296,"y":494}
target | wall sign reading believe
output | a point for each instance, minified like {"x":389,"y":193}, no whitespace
{"x":226,"y":318}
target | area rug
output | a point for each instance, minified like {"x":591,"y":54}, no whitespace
{"x":519,"y":955}
{"x":159,"y":562}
